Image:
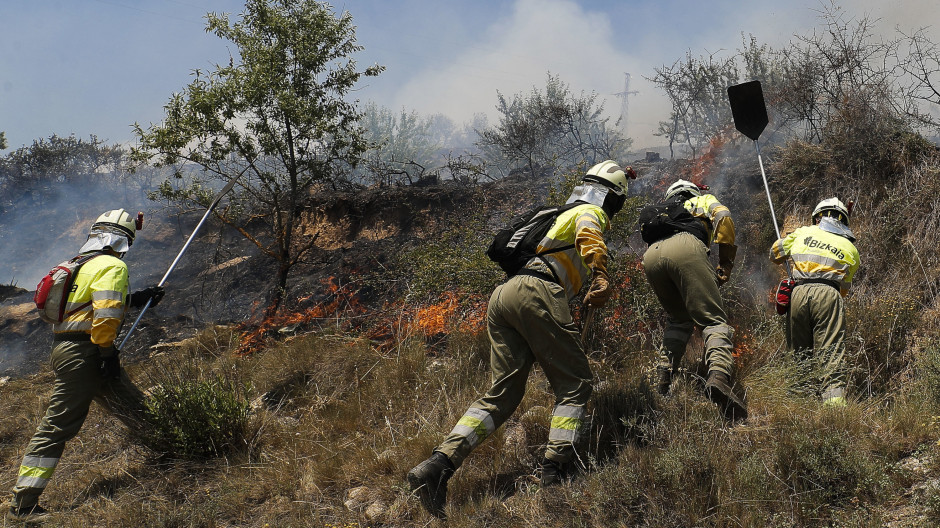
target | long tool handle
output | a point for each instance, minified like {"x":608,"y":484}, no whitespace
{"x":586,"y":325}
{"x":215,"y":202}
{"x":770,"y":201}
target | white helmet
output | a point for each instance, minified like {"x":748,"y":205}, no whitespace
{"x":682,"y":186}
{"x":610,"y":175}
{"x":120,"y":222}
{"x":837,"y":209}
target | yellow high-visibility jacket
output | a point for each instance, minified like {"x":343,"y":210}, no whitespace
{"x":717,"y":218}
{"x":823,"y":251}
{"x":100,"y":295}
{"x":583,"y":226}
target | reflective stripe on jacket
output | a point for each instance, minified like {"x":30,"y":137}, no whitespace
{"x":99,"y":293}
{"x":818,"y":254}
{"x":717,"y":218}
{"x":583,"y":226}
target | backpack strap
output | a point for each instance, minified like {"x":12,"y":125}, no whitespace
{"x":81,"y":260}
{"x":561,"y":210}
{"x":541,"y":255}
{"x":539,"y":274}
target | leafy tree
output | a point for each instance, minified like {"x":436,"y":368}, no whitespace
{"x":3,"y":140}
{"x":403,"y":147}
{"x":35,"y":170}
{"x":696,"y":87}
{"x":275,"y":118}
{"x":543,"y":131}
{"x":843,"y":68}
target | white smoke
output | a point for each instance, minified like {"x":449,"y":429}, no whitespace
{"x":590,"y":45}
{"x":39,"y":232}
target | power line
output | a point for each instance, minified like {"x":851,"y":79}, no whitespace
{"x":625,"y":105}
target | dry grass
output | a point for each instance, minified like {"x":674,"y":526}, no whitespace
{"x":339,"y":425}
{"x":336,"y":422}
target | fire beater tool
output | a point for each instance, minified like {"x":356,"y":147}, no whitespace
{"x":750,"y":118}
{"x":215,"y":202}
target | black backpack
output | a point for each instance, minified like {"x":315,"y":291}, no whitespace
{"x":662,"y":220}
{"x":514,"y":245}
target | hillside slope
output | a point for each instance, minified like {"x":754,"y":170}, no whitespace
{"x":382,"y":347}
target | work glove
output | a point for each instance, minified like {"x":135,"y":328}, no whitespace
{"x":110,"y":365}
{"x":726,"y":254}
{"x":722,"y":275}
{"x":599,"y":291}
{"x":153,"y":294}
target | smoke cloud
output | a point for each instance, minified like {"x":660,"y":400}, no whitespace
{"x":442,"y":56}
{"x":44,"y":229}
{"x":590,"y":45}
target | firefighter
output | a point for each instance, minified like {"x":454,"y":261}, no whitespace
{"x":679,"y":271}
{"x":528,"y":320}
{"x":824,"y":261}
{"x":84,"y":358}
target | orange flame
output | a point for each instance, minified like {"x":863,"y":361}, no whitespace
{"x":341,"y":301}
{"x":453,"y":312}
{"x":449,"y":315}
{"x":706,"y":162}
{"x":743,"y":346}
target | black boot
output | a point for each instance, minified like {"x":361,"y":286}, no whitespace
{"x":30,"y":513}
{"x":663,"y":380}
{"x":429,"y":480}
{"x":718,"y":390}
{"x":552,"y":472}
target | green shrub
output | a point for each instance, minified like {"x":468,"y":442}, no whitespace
{"x":452,"y":259}
{"x":623,"y":410}
{"x":932,"y":504}
{"x":880,"y":326}
{"x":926,"y":363}
{"x":199,"y":419}
{"x":693,"y":458}
{"x":615,"y":496}
{"x":757,"y":492}
{"x":824,"y":463}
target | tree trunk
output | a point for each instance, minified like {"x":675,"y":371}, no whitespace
{"x":280,"y":289}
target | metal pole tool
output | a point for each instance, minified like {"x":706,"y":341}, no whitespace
{"x":750,"y":118}
{"x":215,"y":202}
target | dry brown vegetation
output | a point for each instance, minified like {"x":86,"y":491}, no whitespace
{"x":338,"y":417}
{"x":325,"y":408}
{"x":336,"y":425}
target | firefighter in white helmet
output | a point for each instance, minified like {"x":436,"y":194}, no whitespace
{"x":824,"y":261}
{"x":678,"y":269}
{"x":84,"y":358}
{"x":528,"y":320}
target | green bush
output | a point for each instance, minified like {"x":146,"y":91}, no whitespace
{"x":931,"y":501}
{"x":880,"y":325}
{"x":454,"y":259}
{"x":926,"y":363}
{"x":199,"y":419}
{"x":823,"y":463}
{"x":623,"y":410}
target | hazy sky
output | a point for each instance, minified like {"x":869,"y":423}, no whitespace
{"x":97,"y":66}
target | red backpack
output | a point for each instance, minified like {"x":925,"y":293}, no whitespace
{"x":784,"y":292}
{"x":52,"y":292}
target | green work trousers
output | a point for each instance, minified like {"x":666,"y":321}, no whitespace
{"x":686,"y":285}
{"x":816,"y":336}
{"x":528,"y":320}
{"x":77,"y":382}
